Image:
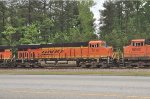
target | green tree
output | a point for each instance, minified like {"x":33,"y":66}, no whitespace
{"x":122,"y":21}
{"x":86,"y":17}
{"x":54,"y":21}
{"x":30,"y":35}
{"x":9,"y":31}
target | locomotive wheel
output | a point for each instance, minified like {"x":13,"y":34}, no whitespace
{"x":88,"y":66}
{"x":83,"y":66}
{"x":94,"y":65}
{"x":78,"y":63}
{"x":104,"y":66}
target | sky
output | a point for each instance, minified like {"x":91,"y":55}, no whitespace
{"x":95,"y":9}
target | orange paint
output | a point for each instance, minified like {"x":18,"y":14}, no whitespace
{"x":96,"y":49}
{"x":137,"y":49}
{"x":6,"y":54}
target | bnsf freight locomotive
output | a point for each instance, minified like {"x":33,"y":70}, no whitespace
{"x":5,"y":55}
{"x":84,"y":54}
{"x":137,"y":53}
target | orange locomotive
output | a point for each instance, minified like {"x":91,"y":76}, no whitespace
{"x":137,"y":53}
{"x":85,"y":54}
{"x":5,"y":55}
{"x":28,"y":55}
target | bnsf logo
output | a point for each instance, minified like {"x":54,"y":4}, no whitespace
{"x":136,"y":49}
{"x":49,"y":52}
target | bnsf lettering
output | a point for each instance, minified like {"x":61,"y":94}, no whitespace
{"x":52,"y":52}
{"x":136,"y":49}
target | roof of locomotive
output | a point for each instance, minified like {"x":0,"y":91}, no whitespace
{"x":75,"y":44}
{"x":5,"y":47}
{"x":138,"y":40}
{"x":99,"y":41}
{"x":34,"y":46}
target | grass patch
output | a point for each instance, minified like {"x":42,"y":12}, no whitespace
{"x":106,"y":72}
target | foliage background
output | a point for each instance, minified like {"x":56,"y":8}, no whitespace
{"x":55,"y":21}
{"x":45,"y":21}
{"x":123,"y":20}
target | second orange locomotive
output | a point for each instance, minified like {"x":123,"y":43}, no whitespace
{"x":137,"y":53}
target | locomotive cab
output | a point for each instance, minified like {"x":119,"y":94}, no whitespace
{"x":99,"y":49}
{"x":137,"y":54}
{"x":138,"y":43}
{"x":136,"y":49}
{"x":96,"y":44}
{"x":5,"y":56}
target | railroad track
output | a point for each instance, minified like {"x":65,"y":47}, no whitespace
{"x":74,"y":67}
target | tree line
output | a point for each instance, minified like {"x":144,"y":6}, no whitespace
{"x":52,"y":21}
{"x":45,"y":21}
{"x":123,"y":20}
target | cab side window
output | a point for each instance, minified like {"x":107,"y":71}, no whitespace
{"x":133,"y":44}
{"x":94,"y":45}
{"x":142,"y":43}
{"x":137,"y":44}
{"x":97,"y":45}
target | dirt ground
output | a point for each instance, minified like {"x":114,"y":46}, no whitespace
{"x":116,"y":72}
